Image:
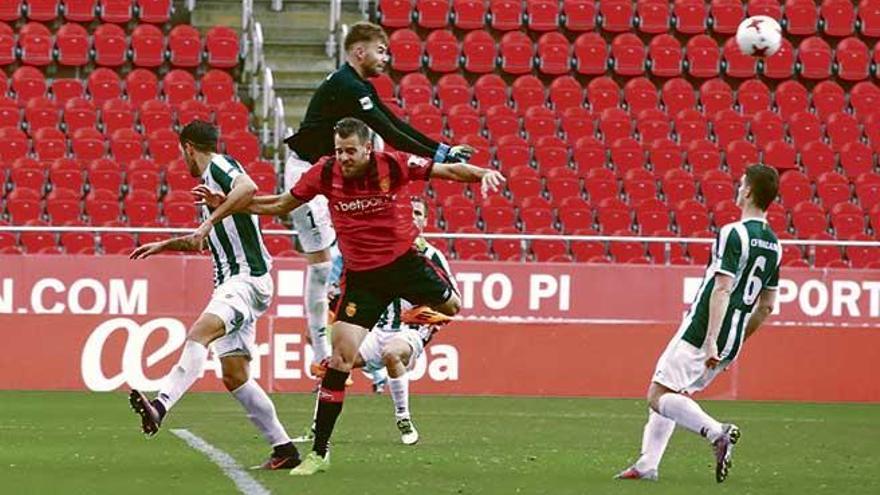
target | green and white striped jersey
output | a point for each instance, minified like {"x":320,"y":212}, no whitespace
{"x":749,"y":252}
{"x":236,"y":243}
{"x":390,"y":319}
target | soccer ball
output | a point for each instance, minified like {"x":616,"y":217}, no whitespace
{"x":759,"y":36}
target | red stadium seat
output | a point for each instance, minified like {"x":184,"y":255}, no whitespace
{"x":565,"y":93}
{"x":814,"y":55}
{"x":778,"y":154}
{"x":13,"y":144}
{"x":802,"y":17}
{"x":614,"y":123}
{"x":241,"y":145}
{"x":193,"y":110}
{"x":88,"y":144}
{"x":222,"y":47}
{"x":469,"y":14}
{"x":147,"y":46}
{"x":826,"y":256}
{"x":117,"y":114}
{"x":603,"y":93}
{"x":677,"y":95}
{"x":506,"y":15}
{"x":517,"y":52}
{"x":691,"y":218}
{"x":102,"y":211}
{"x":426,"y":118}
{"x":154,"y":115}
{"x":838,"y":17}
{"x":791,"y":97}
{"x":178,"y":86}
{"x":817,"y":158}
{"x":726,"y":15}
{"x":539,"y":122}
{"x":869,"y":18}
{"x":501,"y":121}
{"x":617,"y":15}
{"x":833,"y":188}
{"x":7,"y":49}
{"x":103,"y":85}
{"x":164,"y":146}
{"x":665,"y":155}
{"x":154,"y":11}
{"x":479,"y":52}
{"x":126,"y":145}
{"x":73,"y":45}
{"x":443,"y":51}
{"x":536,"y":218}
{"x":628,"y":54}
{"x":847,"y":220}
{"x":715,"y":96}
{"x":576,"y":123}
{"x":496,"y":218}
{"x":549,"y":250}
{"x":691,"y":16}
{"x":117,"y":243}
{"x":781,"y":64}
{"x":736,"y":63}
{"x":580,"y":15}
{"x":828,"y":98}
{"x":10,"y":114}
{"x":613,"y":216}
{"x":110,"y":45}
{"x":527,"y":91}
{"x":35,"y":43}
{"x":842,"y":128}
{"x":554,"y":54}
{"x":432,"y":14}
{"x":808,"y":219}
{"x":653,"y":16}
{"x":79,"y":113}
{"x":542,"y":15}
{"x":453,"y":90}
{"x":665,"y":55}
{"x":406,"y":50}
{"x":861,"y":256}
{"x":652,"y":124}
{"x":463,"y":120}
{"x":753,"y":96}
{"x":11,"y":10}
{"x":185,"y":46}
{"x":864,"y":98}
{"x":639,"y":186}
{"x":853,"y":59}
{"x":551,"y":152}
{"x":589,"y":153}
{"x":856,"y":158}
{"x":142,"y":85}
{"x":868,"y":190}
{"x":27,"y":83}
{"x":766,"y":126}
{"x":80,"y":10}
{"x":739,"y":155}
{"x":40,"y":113}
{"x":690,"y":125}
{"x":395,"y":13}
{"x":804,"y":128}
{"x":703,"y":57}
{"x":116,"y":11}
{"x":591,"y":54}
{"x":601,"y":184}
{"x":39,"y":242}
{"x":63,"y":89}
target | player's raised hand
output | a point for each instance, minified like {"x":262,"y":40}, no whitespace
{"x":147,"y":250}
{"x":205,"y":196}
{"x":491,"y":181}
{"x":460,"y":153}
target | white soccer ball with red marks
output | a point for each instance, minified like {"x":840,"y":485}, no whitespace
{"x":759,"y":36}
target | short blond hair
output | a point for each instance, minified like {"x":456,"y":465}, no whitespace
{"x":364,"y":32}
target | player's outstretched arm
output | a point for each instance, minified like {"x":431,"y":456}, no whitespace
{"x":718,"y":303}
{"x":490,"y":180}
{"x":185,"y":243}
{"x":274,"y":204}
{"x":764,"y":308}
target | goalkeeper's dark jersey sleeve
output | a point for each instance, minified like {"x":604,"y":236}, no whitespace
{"x":345,"y":94}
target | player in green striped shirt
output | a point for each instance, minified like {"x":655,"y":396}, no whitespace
{"x":738,"y":292}
{"x":243,"y":290}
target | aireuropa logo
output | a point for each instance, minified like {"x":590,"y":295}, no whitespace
{"x":131,"y":369}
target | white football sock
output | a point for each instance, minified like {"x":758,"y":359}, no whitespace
{"x":655,"y":438}
{"x":400,"y":395}
{"x":317,"y":276}
{"x":187,"y":370}
{"x":261,"y":412}
{"x":685,"y":412}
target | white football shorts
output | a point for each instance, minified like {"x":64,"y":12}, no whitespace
{"x":371,"y":347}
{"x":311,"y":220}
{"x":239,"y":302}
{"x":682,"y":368}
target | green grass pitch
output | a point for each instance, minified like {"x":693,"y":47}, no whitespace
{"x":75,"y":442}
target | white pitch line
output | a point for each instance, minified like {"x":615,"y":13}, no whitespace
{"x":246,"y":483}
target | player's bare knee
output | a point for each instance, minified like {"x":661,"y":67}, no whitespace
{"x":391,"y":358}
{"x":206,"y":329}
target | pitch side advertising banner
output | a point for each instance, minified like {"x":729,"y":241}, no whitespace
{"x":108,"y":323}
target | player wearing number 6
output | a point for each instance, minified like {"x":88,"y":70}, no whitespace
{"x":738,"y":292}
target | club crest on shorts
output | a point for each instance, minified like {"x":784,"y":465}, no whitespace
{"x":351,"y":309}
{"x":385,"y":184}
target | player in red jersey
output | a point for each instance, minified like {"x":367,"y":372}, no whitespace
{"x":372,"y":214}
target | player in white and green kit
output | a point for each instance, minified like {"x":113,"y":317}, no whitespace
{"x":738,"y":292}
